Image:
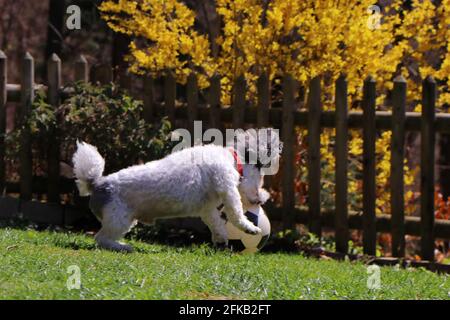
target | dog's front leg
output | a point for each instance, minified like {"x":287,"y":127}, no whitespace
{"x":235,"y":213}
{"x":216,"y":225}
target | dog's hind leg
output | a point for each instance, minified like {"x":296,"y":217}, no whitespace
{"x":216,"y":225}
{"x":116,"y":222}
{"x":235,"y":213}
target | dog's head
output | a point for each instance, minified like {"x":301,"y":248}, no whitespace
{"x":259,"y":151}
{"x":251,"y":187}
{"x":260,"y":148}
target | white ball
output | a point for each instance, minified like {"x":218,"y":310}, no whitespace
{"x":247,"y":243}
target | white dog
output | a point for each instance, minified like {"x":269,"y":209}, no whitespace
{"x":192,"y":182}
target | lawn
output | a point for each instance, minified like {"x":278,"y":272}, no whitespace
{"x":34,"y":265}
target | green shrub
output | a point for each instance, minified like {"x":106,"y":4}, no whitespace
{"x":103,"y":116}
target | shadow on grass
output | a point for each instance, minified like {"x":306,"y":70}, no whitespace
{"x":75,"y":237}
{"x":160,"y":234}
{"x":69,"y":238}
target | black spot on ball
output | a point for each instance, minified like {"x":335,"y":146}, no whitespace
{"x":252,"y":217}
{"x":224,"y":216}
{"x":263,"y":241}
{"x":236,"y":245}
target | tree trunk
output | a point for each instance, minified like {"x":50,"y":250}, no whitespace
{"x":55,"y":25}
{"x":120,"y":66}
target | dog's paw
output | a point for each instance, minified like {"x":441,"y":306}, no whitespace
{"x":127,"y":248}
{"x":122,"y":247}
{"x":252,"y":229}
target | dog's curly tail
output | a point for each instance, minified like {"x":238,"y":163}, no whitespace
{"x":88,"y":167}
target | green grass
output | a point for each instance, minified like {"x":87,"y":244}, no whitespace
{"x":33,"y":265}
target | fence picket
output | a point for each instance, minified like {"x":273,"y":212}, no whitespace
{"x":369,"y":173}
{"x":54,"y":85}
{"x":3,"y":99}
{"x":263,"y":112}
{"x":397,"y":172}
{"x":341,"y":188}
{"x":288,"y":137}
{"x":314,"y":129}
{"x":81,"y":69}
{"x":263,"y":88}
{"x":82,"y":75}
{"x":239,"y":91}
{"x":427,"y":158}
{"x":25,"y":155}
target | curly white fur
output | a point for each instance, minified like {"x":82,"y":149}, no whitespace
{"x":88,"y":166}
{"x":187,"y":183}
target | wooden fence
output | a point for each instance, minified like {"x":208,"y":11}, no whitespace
{"x":287,"y":118}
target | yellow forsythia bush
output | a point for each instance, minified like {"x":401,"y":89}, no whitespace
{"x":305,"y":39}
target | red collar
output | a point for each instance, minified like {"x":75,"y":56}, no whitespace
{"x":237,"y":161}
